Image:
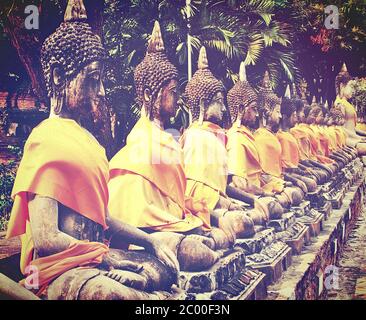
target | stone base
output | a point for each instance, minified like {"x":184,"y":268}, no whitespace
{"x":299,"y":240}
{"x":282,"y":224}
{"x":256,"y":244}
{"x":306,"y":277}
{"x":326,"y":210}
{"x":315,"y":224}
{"x":273,"y":264}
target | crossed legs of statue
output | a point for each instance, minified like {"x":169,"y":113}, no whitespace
{"x":148,"y":278}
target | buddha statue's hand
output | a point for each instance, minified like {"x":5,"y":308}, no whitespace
{"x":226,"y":225}
{"x":110,"y":263}
{"x":239,"y":182}
{"x":128,"y":278}
{"x":165,"y":255}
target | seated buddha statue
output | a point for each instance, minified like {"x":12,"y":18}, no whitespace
{"x":269,"y":148}
{"x":344,"y":88}
{"x":60,"y":191}
{"x":290,"y":151}
{"x":243,"y":157}
{"x":150,"y":165}
{"x":204,"y":146}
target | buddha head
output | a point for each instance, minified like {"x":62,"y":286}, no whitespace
{"x":288,"y":110}
{"x":242,"y":101}
{"x":337,"y":116}
{"x":73,"y":63}
{"x":269,"y":105}
{"x":156,"y":80}
{"x":205,"y":94}
{"x":344,"y":84}
{"x":313,"y":113}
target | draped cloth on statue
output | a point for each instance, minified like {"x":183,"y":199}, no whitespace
{"x":323,"y":138}
{"x":243,"y":156}
{"x":205,"y":162}
{"x":269,"y":150}
{"x":334,"y":143}
{"x":349,"y":109}
{"x":290,"y":156}
{"x":341,"y":136}
{"x":64,"y":162}
{"x":303,"y":142}
{"x":147,"y":183}
{"x":361,"y":126}
{"x":314,"y":144}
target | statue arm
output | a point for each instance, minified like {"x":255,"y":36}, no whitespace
{"x":120,"y":232}
{"x":43,"y":216}
{"x":123,"y":233}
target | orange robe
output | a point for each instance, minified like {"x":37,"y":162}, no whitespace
{"x":269,"y":150}
{"x":303,"y":142}
{"x":314,"y":144}
{"x":341,"y":136}
{"x":205,"y":162}
{"x":323,"y":138}
{"x":334,"y":143}
{"x":243,"y":156}
{"x":147,"y":183}
{"x":290,"y":156}
{"x":64,"y":162}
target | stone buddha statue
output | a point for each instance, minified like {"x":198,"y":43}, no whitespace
{"x":269,"y":148}
{"x":205,"y":155}
{"x":151,"y":166}
{"x":61,"y":195}
{"x":344,"y":89}
{"x":243,"y":157}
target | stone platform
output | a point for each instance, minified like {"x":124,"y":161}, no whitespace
{"x":308,"y":276}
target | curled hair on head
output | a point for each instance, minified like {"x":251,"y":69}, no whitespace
{"x":71,"y":47}
{"x":288,"y":107}
{"x":299,"y":104}
{"x":154,"y":71}
{"x":203,"y":85}
{"x":267,"y":99}
{"x":240,"y":95}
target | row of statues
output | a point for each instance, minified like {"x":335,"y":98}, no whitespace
{"x":124,"y":229}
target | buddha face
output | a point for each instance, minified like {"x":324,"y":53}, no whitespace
{"x":300,"y":115}
{"x":216,"y":108}
{"x":84,"y":94}
{"x":293,"y":119}
{"x":347,"y":89}
{"x":319,"y":118}
{"x":250,"y":113}
{"x":169,"y":98}
{"x":313,"y":114}
{"x":275,"y":116}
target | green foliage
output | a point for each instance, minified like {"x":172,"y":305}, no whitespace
{"x":359,"y":97}
{"x":7,"y":176}
{"x":232,"y":31}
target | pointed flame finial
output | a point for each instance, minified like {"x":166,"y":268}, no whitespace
{"x":242,"y":72}
{"x":202,"y":59}
{"x":288,"y":92}
{"x":344,"y":67}
{"x":75,"y":11}
{"x":156,"y":43}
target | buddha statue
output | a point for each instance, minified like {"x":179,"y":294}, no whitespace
{"x":151,"y":166}
{"x":205,"y":156}
{"x":243,"y":158}
{"x":269,"y":148}
{"x":290,"y":151}
{"x":60,"y":191}
{"x":344,"y":89}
